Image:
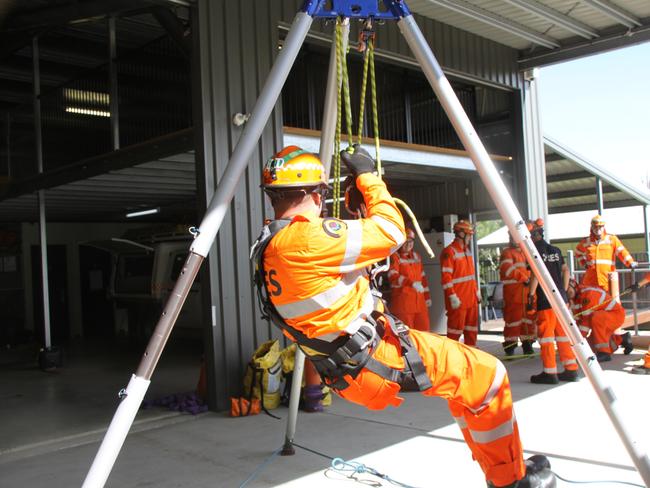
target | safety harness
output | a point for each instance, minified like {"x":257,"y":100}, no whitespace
{"x":347,"y":355}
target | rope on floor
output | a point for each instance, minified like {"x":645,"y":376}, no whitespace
{"x":600,"y":482}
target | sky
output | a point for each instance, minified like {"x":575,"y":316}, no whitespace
{"x":599,"y":106}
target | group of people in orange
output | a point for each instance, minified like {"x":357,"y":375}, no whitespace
{"x":527,"y":313}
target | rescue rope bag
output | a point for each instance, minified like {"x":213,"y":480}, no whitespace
{"x":347,"y":355}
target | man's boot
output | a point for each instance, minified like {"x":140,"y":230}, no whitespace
{"x":509,"y":347}
{"x":627,"y":343}
{"x":603,"y":357}
{"x":527,"y":346}
{"x":538,"y":474}
{"x":568,"y":375}
{"x":544,"y":379}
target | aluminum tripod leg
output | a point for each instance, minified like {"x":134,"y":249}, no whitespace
{"x":515,"y":223}
{"x":328,"y":128}
{"x":131,"y":398}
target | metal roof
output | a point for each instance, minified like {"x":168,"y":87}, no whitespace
{"x":571,"y":182}
{"x":546,"y":31}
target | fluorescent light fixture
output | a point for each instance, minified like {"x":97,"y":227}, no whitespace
{"x":88,"y":111}
{"x":140,"y":213}
{"x":87,"y":96}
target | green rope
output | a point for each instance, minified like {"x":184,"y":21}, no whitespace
{"x":364,"y":83}
{"x":336,"y":186}
{"x":373,"y":94}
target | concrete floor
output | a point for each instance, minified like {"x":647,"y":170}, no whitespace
{"x":52,"y":424}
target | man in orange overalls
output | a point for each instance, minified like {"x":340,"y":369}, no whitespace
{"x":409,"y":295}
{"x":515,"y":276}
{"x":598,"y":317}
{"x":315,"y":278}
{"x":598,"y":252}
{"x":459,"y":285}
{"x":549,"y":329}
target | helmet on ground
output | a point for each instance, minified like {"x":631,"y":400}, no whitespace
{"x":410,"y":235}
{"x":598,"y":221}
{"x":292,"y":167}
{"x":463,"y":226}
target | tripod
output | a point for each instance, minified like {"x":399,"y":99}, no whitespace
{"x":394,"y":10}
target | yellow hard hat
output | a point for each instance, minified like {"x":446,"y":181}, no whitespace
{"x":292,"y":167}
{"x":598,"y":221}
{"x":463,"y":226}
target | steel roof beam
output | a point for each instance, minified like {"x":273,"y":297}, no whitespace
{"x":578,"y":175}
{"x":615,"y":12}
{"x":557,"y":18}
{"x":482,"y":15}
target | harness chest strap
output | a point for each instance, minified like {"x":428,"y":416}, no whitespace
{"x":346,"y":355}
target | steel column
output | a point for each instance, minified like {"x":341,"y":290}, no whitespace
{"x":131,"y":398}
{"x":509,"y":213}
{"x":112,"y":84}
{"x":572,"y":263}
{"x":599,"y":195}
{"x":42,"y":229}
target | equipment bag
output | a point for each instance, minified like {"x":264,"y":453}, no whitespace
{"x":263,"y":375}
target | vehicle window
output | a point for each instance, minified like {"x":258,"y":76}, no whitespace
{"x":134,"y":273}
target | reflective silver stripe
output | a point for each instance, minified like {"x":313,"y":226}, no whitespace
{"x":629,"y":258}
{"x":499,"y":375}
{"x":509,"y":282}
{"x":353,"y":245}
{"x":604,"y":261}
{"x":462,"y":279}
{"x":408,"y":261}
{"x":366,"y":310}
{"x":610,"y":305}
{"x":546,"y":340}
{"x":584,"y":328}
{"x":620,"y":248}
{"x":510,"y":270}
{"x":461,"y":422}
{"x":503,"y":261}
{"x":454,"y":331}
{"x":471,"y":328}
{"x":569,"y":361}
{"x":392,"y":272}
{"x":324,"y":299}
{"x":446,"y":286}
{"x":550,"y":370}
{"x":392,"y":230}
{"x":399,"y":283}
{"x":487,"y":436}
{"x":447,"y":270}
{"x":601,"y":345}
{"x":561,"y":339}
{"x":527,"y":321}
{"x":513,"y":324}
{"x":527,"y":337}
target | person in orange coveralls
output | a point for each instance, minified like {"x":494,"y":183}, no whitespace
{"x":598,"y":252}
{"x":409,"y":296}
{"x":459,"y":285}
{"x":515,"y":276}
{"x":549,"y":329}
{"x":313,"y":284}
{"x":598,"y":317}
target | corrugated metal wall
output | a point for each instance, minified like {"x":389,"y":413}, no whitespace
{"x":235,"y":44}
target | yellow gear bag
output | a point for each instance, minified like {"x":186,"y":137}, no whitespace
{"x":265,"y":370}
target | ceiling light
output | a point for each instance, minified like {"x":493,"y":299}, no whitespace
{"x":88,"y":111}
{"x":140,"y":213}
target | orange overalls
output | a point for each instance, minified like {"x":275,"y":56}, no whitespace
{"x":514,"y":273}
{"x":601,"y":315}
{"x":646,"y":360}
{"x":457,"y":277}
{"x":316,"y":279}
{"x":598,"y":257}
{"x":408,"y":304}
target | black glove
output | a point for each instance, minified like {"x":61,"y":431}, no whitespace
{"x":530,"y":304}
{"x":353,"y":197}
{"x":359,"y":162}
{"x":634,"y":287}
